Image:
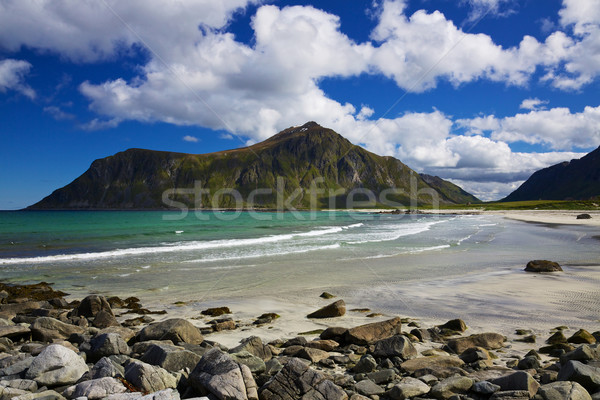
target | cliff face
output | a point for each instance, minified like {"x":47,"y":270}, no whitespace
{"x":574,"y":180}
{"x":289,"y":165}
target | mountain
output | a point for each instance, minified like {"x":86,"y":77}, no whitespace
{"x":574,"y":180}
{"x":307,"y":166}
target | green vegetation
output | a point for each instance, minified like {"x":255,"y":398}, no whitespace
{"x":529,"y":205}
{"x":302,"y":167}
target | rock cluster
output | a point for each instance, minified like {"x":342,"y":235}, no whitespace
{"x":55,"y":350}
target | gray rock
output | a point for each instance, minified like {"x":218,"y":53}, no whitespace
{"x":21,"y":384}
{"x":298,"y":380}
{"x":56,"y":365}
{"x":106,"y":368}
{"x":382,"y":376}
{"x":451,"y":386}
{"x":255,"y":346}
{"x":584,"y":352}
{"x":104,"y":319}
{"x":176,"y":330}
{"x":312,"y":355}
{"x":511,"y":395}
{"x":14,"y":331}
{"x":397,"y":345}
{"x":336,"y":309}
{"x":585,"y":375}
{"x":520,"y":380}
{"x":366,"y":364}
{"x":562,"y":391}
{"x":369,"y":333}
{"x":529,"y":362}
{"x":46,"y":329}
{"x":254,"y":363}
{"x":44,"y":395}
{"x":172,"y":358}
{"x":95,"y":389}
{"x":368,"y":388}
{"x":273,"y":366}
{"x":415,"y":364}
{"x":408,"y":388}
{"x":485,"y":388}
{"x":149,"y":378}
{"x":219,"y":375}
{"x":108,"y":344}
{"x":15,"y":365}
{"x":488,"y":341}
{"x":167,"y":394}
{"x":7,"y":393}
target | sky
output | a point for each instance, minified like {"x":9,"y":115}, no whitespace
{"x":479,"y":92}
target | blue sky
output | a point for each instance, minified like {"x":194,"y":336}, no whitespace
{"x":481,"y":92}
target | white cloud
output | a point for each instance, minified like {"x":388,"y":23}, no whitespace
{"x":484,"y":8}
{"x":204,"y":77}
{"x":191,"y":139}
{"x":12,"y":76}
{"x":533,"y":104}
{"x":58,"y":114}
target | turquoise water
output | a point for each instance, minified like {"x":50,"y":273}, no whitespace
{"x":162,"y":256}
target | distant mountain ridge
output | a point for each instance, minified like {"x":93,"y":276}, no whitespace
{"x":569,"y":180}
{"x":289,"y":164}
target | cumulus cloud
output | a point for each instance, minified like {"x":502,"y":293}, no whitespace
{"x":533,"y":104}
{"x":12,"y":76}
{"x":191,"y":139}
{"x":483,"y":8}
{"x":197,"y":74}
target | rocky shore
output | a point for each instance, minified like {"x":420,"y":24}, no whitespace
{"x":111,"y":348}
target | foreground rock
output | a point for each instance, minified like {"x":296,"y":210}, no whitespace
{"x":217,"y":374}
{"x":542,"y":266}
{"x":370,"y":333}
{"x":55,"y":366}
{"x":336,"y":309}
{"x":296,"y":380}
{"x":176,"y":330}
{"x":489,"y":341}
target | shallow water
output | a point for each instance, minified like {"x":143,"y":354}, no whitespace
{"x":162,"y":257}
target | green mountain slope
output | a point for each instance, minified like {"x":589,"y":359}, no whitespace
{"x":303,"y":167}
{"x":574,"y":180}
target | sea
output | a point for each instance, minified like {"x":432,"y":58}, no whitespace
{"x":204,"y":256}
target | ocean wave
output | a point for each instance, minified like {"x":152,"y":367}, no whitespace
{"x":395,"y":232}
{"x":171,"y":248}
{"x":264,"y":254}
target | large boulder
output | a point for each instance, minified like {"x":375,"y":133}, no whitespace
{"x":172,"y":358}
{"x":336,"y":309}
{"x":149,"y":378}
{"x":451,"y":387}
{"x":397,"y":345}
{"x":408,"y":388}
{"x":14,"y":332}
{"x":95,"y":389}
{"x":108,"y":344}
{"x":219,"y":375}
{"x":562,"y":391}
{"x":582,"y":336}
{"x":104,"y":368}
{"x":489,"y":341}
{"x":56,"y":365}
{"x":255,"y":364}
{"x":369,"y":333}
{"x":520,"y":380}
{"x":175,"y":329}
{"x":431,"y":362}
{"x":255,"y":346}
{"x":542,"y":266}
{"x":586,"y":375}
{"x":46,"y":329}
{"x":296,"y":380}
{"x":91,"y":306}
